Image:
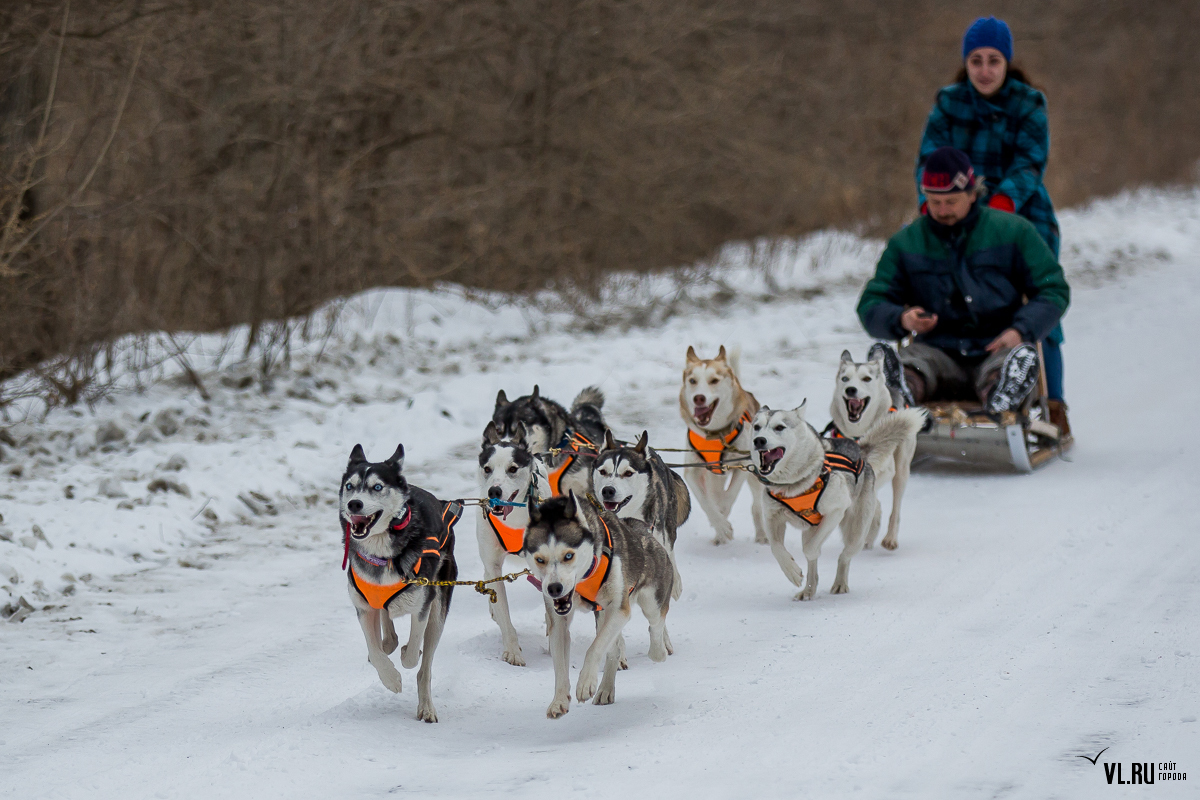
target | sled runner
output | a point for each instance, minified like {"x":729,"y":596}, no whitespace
{"x":1022,"y":440}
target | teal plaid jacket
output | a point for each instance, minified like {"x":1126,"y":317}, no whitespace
{"x":1007,"y":139}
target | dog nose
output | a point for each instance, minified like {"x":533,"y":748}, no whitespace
{"x":760,"y":443}
{"x":555,"y":590}
{"x":608,"y":493}
{"x":851,"y":391}
{"x":355,"y":506}
{"x":698,"y":399}
{"x":494,"y":492}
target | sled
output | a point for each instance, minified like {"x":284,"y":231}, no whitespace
{"x":1022,"y":440}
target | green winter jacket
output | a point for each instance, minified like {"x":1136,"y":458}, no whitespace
{"x":974,"y":275}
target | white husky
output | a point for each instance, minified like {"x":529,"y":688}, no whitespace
{"x":861,"y":399}
{"x":820,"y":484}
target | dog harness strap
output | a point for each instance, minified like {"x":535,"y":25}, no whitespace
{"x":837,"y":461}
{"x":433,"y":547}
{"x":805,"y":504}
{"x":589,"y":587}
{"x":511,"y":539}
{"x":557,"y":475}
{"x":713,"y":450}
{"x":377,"y":595}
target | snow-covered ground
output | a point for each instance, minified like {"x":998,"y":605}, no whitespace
{"x":191,"y":635}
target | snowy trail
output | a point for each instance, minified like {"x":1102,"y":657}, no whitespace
{"x":1025,"y":620}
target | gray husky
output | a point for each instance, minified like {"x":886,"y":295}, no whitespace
{"x":583,"y":555}
{"x":632,"y":482}
{"x":862,"y":397}
{"x":577,"y":433}
{"x":820,"y":484}
{"x":395,"y":533}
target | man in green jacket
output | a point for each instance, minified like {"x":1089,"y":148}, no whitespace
{"x":975,"y":285}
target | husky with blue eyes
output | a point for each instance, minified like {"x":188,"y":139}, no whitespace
{"x":395,"y":534}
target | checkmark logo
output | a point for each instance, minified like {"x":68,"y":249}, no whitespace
{"x":1093,"y":760}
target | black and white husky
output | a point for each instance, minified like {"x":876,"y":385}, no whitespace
{"x":577,"y":433}
{"x":584,"y":556}
{"x":395,"y":533}
{"x":862,"y":397}
{"x":820,"y":484}
{"x":509,"y":473}
{"x":632,"y":482}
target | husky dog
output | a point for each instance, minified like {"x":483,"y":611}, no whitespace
{"x":578,"y":433}
{"x":819,"y":484}
{"x":634,"y":483}
{"x":717,"y":411}
{"x":861,"y":398}
{"x":507,"y":472}
{"x":582,"y":555}
{"x":395,"y":533}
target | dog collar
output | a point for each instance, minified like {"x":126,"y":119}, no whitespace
{"x":372,"y":560}
{"x":402,"y":523}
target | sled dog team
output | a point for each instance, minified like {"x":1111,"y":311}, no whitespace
{"x":595,"y":519}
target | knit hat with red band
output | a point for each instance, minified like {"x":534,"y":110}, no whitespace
{"x":947,"y":170}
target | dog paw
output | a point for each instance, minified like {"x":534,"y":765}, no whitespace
{"x":658,"y":652}
{"x":871,"y":545}
{"x":426,"y":712}
{"x":405,"y":661}
{"x":806,"y":594}
{"x":390,"y":679}
{"x":605,"y":696}
{"x":890,"y":543}
{"x":793,"y":573}
{"x":514,"y":657}
{"x":586,"y":688}
{"x":558,"y":707}
{"x":839,"y":587}
{"x":761,"y":539}
{"x":667,"y":643}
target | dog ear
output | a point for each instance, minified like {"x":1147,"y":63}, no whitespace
{"x":609,"y":442}
{"x":537,"y":393}
{"x":692,"y":358}
{"x":501,"y":399}
{"x":519,"y":436}
{"x":799,"y":410}
{"x":535,"y":513}
{"x":571,"y":509}
{"x":491,"y":434}
{"x":846,"y":356}
{"x":357,"y":456}
{"x":876,"y":357}
{"x":721,"y":354}
{"x":640,"y":448}
{"x":397,"y":458}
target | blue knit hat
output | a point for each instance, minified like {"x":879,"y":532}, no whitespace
{"x":988,"y":32}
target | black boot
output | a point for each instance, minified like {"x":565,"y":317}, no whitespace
{"x":893,"y":373}
{"x":1017,"y":376}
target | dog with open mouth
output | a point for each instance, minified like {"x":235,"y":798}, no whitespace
{"x":574,"y":435}
{"x":584,"y":556}
{"x":863,"y":396}
{"x":633,"y":482}
{"x":717,"y":412}
{"x":394,"y":534}
{"x":510,"y":474}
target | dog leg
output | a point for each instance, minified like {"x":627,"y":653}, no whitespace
{"x":904,"y":455}
{"x":776,"y":531}
{"x":511,"y":651}
{"x":656,"y":615}
{"x":619,"y":647}
{"x":855,"y":525}
{"x":873,"y":529}
{"x":756,"y":513}
{"x":610,"y":629}
{"x":676,"y":580}
{"x":390,"y":639}
{"x":667,"y":642}
{"x":812,"y":540}
{"x":434,"y":624}
{"x":729,"y":491}
{"x":704,"y":487}
{"x":560,"y":654}
{"x":607,"y":692}
{"x":416,"y":630}
{"x":389,"y":676}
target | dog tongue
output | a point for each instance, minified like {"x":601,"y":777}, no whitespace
{"x":855,"y":406}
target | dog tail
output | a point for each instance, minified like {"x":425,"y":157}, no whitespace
{"x":879,"y":444}
{"x":591,"y":396}
{"x":734,"y":359}
{"x":683,"y":499}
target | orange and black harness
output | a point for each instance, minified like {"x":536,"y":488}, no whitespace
{"x":379,"y":595}
{"x":571,"y":443}
{"x":511,"y":539}
{"x":804,"y":505}
{"x":713,"y":450}
{"x":589,"y":585}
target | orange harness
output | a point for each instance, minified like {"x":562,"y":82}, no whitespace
{"x":511,"y":539}
{"x":378,"y":595}
{"x":804,"y":505}
{"x":713,"y":450}
{"x":589,"y":587}
{"x":831,"y":430}
{"x":571,"y":441}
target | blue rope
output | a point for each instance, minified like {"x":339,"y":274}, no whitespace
{"x":493,"y":503}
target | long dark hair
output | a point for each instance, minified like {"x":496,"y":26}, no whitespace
{"x":1014,"y":72}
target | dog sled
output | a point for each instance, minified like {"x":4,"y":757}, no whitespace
{"x":1022,"y":440}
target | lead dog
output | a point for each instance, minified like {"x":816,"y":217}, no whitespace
{"x":507,"y":472}
{"x":634,"y":483}
{"x":577,"y":433}
{"x":395,"y":533}
{"x":820,"y":484}
{"x":717,"y":411}
{"x":580,"y":555}
{"x":861,"y":399}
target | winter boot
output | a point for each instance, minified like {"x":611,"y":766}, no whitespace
{"x":893,"y":374}
{"x":1058,"y":416}
{"x":1017,"y":376}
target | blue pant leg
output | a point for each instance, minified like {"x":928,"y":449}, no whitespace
{"x":1052,"y":355}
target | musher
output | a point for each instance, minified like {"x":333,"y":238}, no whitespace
{"x":958,"y":279}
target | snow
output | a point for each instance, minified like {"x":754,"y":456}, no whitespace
{"x":1025,"y":620}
